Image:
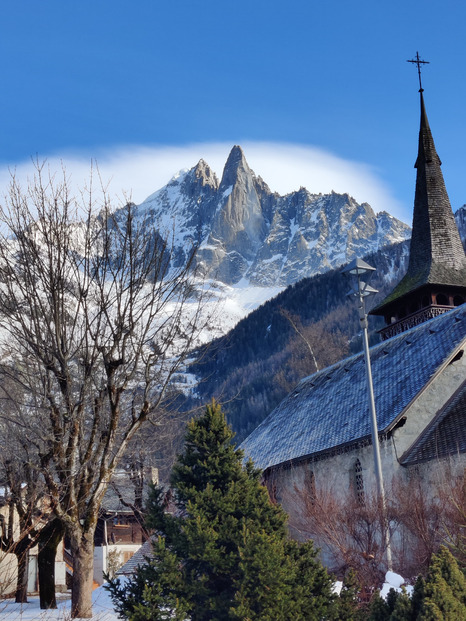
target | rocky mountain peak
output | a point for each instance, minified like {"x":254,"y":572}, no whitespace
{"x":203,"y":172}
{"x":247,"y":233}
{"x":235,"y":164}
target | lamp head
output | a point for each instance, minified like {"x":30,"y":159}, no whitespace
{"x":358,"y":267}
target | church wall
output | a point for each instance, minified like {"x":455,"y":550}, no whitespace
{"x":332,"y":480}
{"x":335,"y":478}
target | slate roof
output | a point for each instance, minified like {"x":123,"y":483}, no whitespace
{"x":330,"y":408}
{"x":112,"y":502}
{"x":140,"y":557}
{"x":446,"y":435}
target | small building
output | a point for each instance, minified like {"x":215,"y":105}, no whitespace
{"x":9,"y":526}
{"x":120,"y":528}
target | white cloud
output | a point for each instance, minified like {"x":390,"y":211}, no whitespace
{"x":138,"y":171}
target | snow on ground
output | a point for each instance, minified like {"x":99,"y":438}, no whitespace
{"x":102,"y":609}
{"x":241,"y":299}
{"x":394,"y":581}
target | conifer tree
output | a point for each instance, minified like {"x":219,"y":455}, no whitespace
{"x":347,"y":607}
{"x":444,"y":590}
{"x":379,"y":609}
{"x":403,"y":608}
{"x":417,"y":597}
{"x":225,"y":553}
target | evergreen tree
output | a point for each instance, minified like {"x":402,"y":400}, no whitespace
{"x":403,"y":608}
{"x":379,"y":610}
{"x":225,"y":553}
{"x":348,"y":607}
{"x":397,"y":607}
{"x":417,"y":597}
{"x":444,"y":590}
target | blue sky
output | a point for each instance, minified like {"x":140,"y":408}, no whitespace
{"x":318,"y":94}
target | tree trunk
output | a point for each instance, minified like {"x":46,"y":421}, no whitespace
{"x":82,"y":550}
{"x":22,"y":554}
{"x":50,"y":537}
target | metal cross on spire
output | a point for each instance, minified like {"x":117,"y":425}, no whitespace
{"x":417,"y":61}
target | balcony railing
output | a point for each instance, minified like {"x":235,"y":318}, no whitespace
{"x":414,"y":319}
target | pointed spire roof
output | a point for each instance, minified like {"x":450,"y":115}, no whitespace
{"x":436,"y":254}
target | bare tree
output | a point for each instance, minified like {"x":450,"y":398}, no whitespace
{"x":93,"y":324}
{"x":349,"y":526}
{"x":350,"y":529}
{"x":432,"y":515}
{"x":453,"y":498}
{"x":24,"y":498}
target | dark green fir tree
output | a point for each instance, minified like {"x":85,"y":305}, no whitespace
{"x":444,"y":590}
{"x":379,"y":610}
{"x":224,"y":554}
{"x":403,"y":608}
{"x":348,"y":607}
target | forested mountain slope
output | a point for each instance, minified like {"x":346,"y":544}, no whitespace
{"x":313,"y":321}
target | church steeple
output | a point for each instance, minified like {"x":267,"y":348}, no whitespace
{"x":436,"y":276}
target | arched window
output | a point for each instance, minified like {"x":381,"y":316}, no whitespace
{"x":358,"y":482}
{"x":458,"y":300}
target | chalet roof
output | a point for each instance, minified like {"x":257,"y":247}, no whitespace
{"x":330,"y":408}
{"x":436,"y":255}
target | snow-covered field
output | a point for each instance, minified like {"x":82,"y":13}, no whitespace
{"x":102,"y":609}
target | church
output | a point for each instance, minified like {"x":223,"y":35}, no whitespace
{"x":317,"y":443}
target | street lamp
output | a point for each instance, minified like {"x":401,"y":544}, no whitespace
{"x":363,"y":272}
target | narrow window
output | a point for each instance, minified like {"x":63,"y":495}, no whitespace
{"x":358,"y":482}
{"x":310,"y":486}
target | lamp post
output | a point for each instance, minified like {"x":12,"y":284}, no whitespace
{"x":363,"y":272}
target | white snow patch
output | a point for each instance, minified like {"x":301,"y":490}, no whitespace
{"x":394,"y":581}
{"x":276,"y":257}
{"x":294,"y":227}
{"x":227,"y":192}
{"x":102,"y":608}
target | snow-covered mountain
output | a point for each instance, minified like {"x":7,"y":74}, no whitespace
{"x":250,"y":235}
{"x":460,"y":217}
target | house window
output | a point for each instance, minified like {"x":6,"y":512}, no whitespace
{"x":358,"y":482}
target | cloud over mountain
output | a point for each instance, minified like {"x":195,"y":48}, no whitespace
{"x":138,"y":171}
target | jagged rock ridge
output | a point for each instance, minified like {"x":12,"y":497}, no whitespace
{"x":245,"y":231}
